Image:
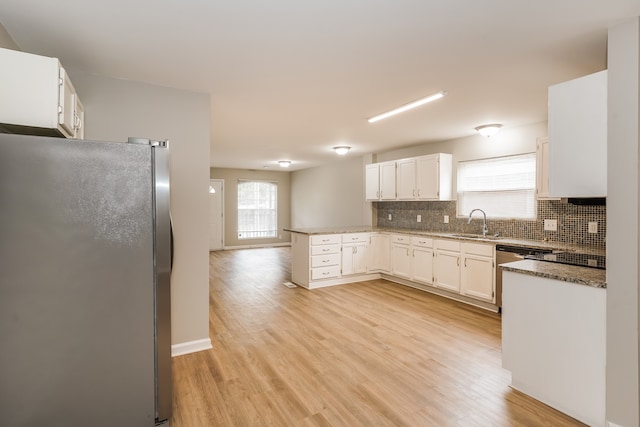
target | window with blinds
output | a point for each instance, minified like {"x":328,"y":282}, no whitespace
{"x":257,"y":209}
{"x":503,"y":187}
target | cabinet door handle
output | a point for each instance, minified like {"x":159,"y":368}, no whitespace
{"x":418,"y":192}
{"x":414,"y":253}
{"x":326,"y":250}
{"x":458,"y":261}
{"x":465,"y":262}
{"x":407,"y":251}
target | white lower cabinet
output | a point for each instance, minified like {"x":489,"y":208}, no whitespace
{"x":446,"y":265}
{"x":379,"y":254}
{"x":477,"y":276}
{"x":401,"y":256}
{"x":457,"y":267}
{"x":354,"y":253}
{"x":422,"y":260}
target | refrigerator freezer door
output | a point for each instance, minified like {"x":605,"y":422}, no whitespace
{"x":76,"y":283}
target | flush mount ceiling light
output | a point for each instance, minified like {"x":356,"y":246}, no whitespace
{"x":284,"y":163}
{"x":408,"y":106}
{"x":489,"y":130}
{"x":212,"y":190}
{"x":341,"y":150}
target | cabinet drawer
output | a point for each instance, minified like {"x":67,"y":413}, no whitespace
{"x":449,"y":245}
{"x":325,"y":249}
{"x":325,"y":260}
{"x":478,"y":249}
{"x":423,"y":242}
{"x":355,"y":237}
{"x":401,"y":239}
{"x":325,"y":239}
{"x":325,"y":272}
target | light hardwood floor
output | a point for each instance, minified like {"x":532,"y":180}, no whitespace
{"x":364,"y":354}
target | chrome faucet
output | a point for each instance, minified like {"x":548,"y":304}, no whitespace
{"x":485,"y":229}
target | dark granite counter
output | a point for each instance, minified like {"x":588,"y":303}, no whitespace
{"x":567,"y":273}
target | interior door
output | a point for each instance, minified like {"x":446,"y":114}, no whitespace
{"x":216,"y":214}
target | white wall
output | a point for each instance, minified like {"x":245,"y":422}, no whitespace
{"x":623,"y":242}
{"x":330,"y":195}
{"x":117,"y":109}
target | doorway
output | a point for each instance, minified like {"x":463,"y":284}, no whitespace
{"x":216,"y":214}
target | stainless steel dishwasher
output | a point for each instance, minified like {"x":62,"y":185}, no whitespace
{"x":505,"y":254}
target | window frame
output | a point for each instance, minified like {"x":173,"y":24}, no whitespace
{"x":275,"y":211}
{"x":532,"y":191}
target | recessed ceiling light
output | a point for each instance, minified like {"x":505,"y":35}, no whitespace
{"x":284,"y":163}
{"x":341,"y":150}
{"x":489,"y":130}
{"x":408,"y":106}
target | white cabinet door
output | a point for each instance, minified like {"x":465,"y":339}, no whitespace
{"x":400,"y":260}
{"x":578,"y":137}
{"x":66,"y":106}
{"x":428,"y":178}
{"x":422,"y":265}
{"x":446,"y":269}
{"x":379,"y":254}
{"x":406,"y":179}
{"x":478,"y":277}
{"x":354,"y":258}
{"x":388,"y":181}
{"x":372,"y":181}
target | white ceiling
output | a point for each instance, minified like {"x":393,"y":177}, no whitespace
{"x":289,"y":79}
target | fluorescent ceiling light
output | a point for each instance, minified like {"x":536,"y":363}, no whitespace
{"x":284,"y":163}
{"x":409,"y":106}
{"x":342,"y":150}
{"x":489,"y":130}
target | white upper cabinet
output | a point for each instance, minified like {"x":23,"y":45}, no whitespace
{"x":578,"y":137}
{"x":380,"y":181}
{"x":417,"y":178}
{"x":38,"y":97}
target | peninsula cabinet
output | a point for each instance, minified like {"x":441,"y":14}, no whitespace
{"x":380,"y":181}
{"x":354,"y":253}
{"x":38,"y":97}
{"x":446,"y":265}
{"x":578,"y":137}
{"x":425,"y":177}
{"x":454,"y":268}
{"x":477,"y":275}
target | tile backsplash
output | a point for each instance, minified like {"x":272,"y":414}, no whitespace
{"x":572,"y":221}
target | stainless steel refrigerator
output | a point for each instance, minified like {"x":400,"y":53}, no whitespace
{"x":85,"y":265}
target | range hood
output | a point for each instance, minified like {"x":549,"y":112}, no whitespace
{"x":587,"y":201}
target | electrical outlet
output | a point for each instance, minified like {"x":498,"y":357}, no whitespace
{"x":593,"y":227}
{"x":419,"y":218}
{"x":446,"y":219}
{"x":550,"y":225}
{"x":389,"y":217}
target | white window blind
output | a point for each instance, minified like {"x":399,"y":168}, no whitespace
{"x":503,"y":187}
{"x":257,"y":209}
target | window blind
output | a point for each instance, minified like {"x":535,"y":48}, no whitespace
{"x":503,"y":187}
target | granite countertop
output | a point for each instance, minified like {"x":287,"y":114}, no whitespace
{"x":568,"y":273}
{"x":556,"y":246}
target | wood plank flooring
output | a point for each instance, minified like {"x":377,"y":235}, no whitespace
{"x":364,"y":354}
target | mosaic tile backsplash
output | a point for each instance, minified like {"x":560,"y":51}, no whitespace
{"x":572,"y":221}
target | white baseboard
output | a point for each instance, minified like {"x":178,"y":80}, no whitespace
{"x":263,"y":245}
{"x":610,"y":424}
{"x":190,"y":347}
